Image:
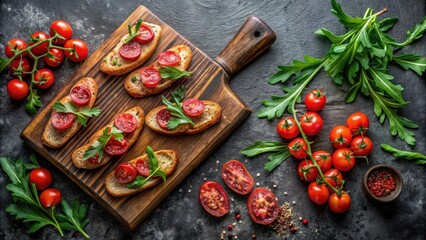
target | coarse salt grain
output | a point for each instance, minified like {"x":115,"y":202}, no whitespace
{"x":234,"y":224}
{"x":285,"y":193}
{"x":189,"y":190}
{"x":274,"y":186}
{"x":258,"y":174}
{"x":257,"y":184}
{"x":294,"y":202}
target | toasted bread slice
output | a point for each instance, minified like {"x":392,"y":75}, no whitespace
{"x":133,"y":82}
{"x":77,"y":155}
{"x":167,"y":161}
{"x":55,"y":138}
{"x":114,"y":64}
{"x":211,"y":115}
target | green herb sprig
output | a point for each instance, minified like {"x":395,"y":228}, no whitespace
{"x":173,"y":73}
{"x":175,"y":108}
{"x":279,"y":152}
{"x":97,"y":148}
{"x":82,"y":114}
{"x":135,"y":33}
{"x":419,"y":158}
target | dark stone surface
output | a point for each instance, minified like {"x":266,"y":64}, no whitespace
{"x":210,"y":25}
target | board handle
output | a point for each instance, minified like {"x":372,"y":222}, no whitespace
{"x":252,"y":39}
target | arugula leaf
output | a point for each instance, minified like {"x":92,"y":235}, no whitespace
{"x":347,"y":21}
{"x":179,"y":94}
{"x":287,"y":71}
{"x":411,"y":62}
{"x":178,"y":115}
{"x":387,"y":23}
{"x":173,"y":73}
{"x":73,"y":218}
{"x":279,"y":152}
{"x":382,"y":80}
{"x":131,"y":33}
{"x":33,"y":102}
{"x":415,"y":156}
{"x":34,"y":216}
{"x":82,"y":115}
{"x":4,"y":62}
{"x":97,"y":148}
{"x":413,"y":34}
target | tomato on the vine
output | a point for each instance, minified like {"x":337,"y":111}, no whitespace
{"x":41,"y":48}
{"x":361,"y":146}
{"x":50,"y":197}
{"x":298,"y":148}
{"x":311,"y":123}
{"x":54,"y":58}
{"x":323,"y":159}
{"x":340,"y":136}
{"x":44,"y":78}
{"x":13,"y":45}
{"x":20,"y":67}
{"x":318,"y":193}
{"x":343,"y":159}
{"x":63,"y":28}
{"x":334,"y":178}
{"x":339,"y":204}
{"x":315,"y":100}
{"x":287,"y":128}
{"x":358,"y":123}
{"x":79,"y":52}
{"x":41,"y":177}
{"x":307,"y":171}
{"x":17,"y":89}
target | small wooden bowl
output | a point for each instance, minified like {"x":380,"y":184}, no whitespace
{"x":396,"y":176}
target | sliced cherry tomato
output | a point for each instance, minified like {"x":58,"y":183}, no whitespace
{"x":20,"y":66}
{"x":311,"y":123}
{"x":126,"y":122}
{"x":262,"y":206}
{"x":142,"y":166}
{"x":130,"y":51}
{"x":287,"y":128}
{"x":339,"y":204}
{"x":95,"y":159}
{"x":62,"y":121}
{"x":80,"y":95}
{"x":193,"y":107}
{"x":236,"y":176}
{"x":343,"y":159}
{"x":36,"y":38}
{"x":323,"y":158}
{"x":14,"y":44}
{"x":169,"y":58}
{"x":361,"y":146}
{"x":358,"y":123}
{"x":17,"y":89}
{"x":298,"y":148}
{"x":41,"y":177}
{"x":334,"y":178}
{"x":116,"y":147}
{"x":318,"y":193}
{"x":44,"y":78}
{"x":163,"y":117}
{"x":315,"y":100}
{"x":125,"y":173}
{"x":213,"y":199}
{"x":79,"y":52}
{"x":55,"y":57}
{"x":63,"y":28}
{"x":150,"y":77}
{"x":307,"y":171}
{"x":340,"y":136}
{"x":145,"y":34}
{"x":50,"y":197}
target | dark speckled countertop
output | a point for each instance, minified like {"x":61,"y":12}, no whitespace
{"x":210,"y":25}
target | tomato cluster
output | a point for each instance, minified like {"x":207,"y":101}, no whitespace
{"x":52,"y":48}
{"x":42,"y":179}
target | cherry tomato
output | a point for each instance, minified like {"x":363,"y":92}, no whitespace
{"x":262,"y":206}
{"x":287,"y":128}
{"x":213,"y":199}
{"x":358,"y":123}
{"x":339,"y":204}
{"x":116,"y":147}
{"x":54,"y":58}
{"x":126,"y":122}
{"x":50,"y":197}
{"x":142,"y":166}
{"x":125,"y":173}
{"x":340,"y":136}
{"x":323,"y":159}
{"x":307,"y":171}
{"x":298,"y":148}
{"x":343,"y":159}
{"x":150,"y":77}
{"x":315,"y":100}
{"x":36,"y":38}
{"x":80,"y":95}
{"x":169,"y":58}
{"x":44,"y":78}
{"x":163,"y":117}
{"x":17,"y":89}
{"x":318,"y":193}
{"x":63,"y":28}
{"x":95,"y":159}
{"x":20,"y":67}
{"x":193,"y":107}
{"x":130,"y":51}
{"x":62,"y":121}
{"x":361,"y":146}
{"x":236,"y":176}
{"x":145,"y":34}
{"x":311,"y":123}
{"x":334,"y":178}
{"x":80,"y":52}
{"x":14,"y":44}
{"x":41,"y":177}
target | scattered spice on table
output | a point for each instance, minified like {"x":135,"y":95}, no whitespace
{"x":284,"y":221}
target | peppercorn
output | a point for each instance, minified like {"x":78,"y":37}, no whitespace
{"x":293,"y":230}
{"x":253,"y":236}
{"x":305,"y":221}
{"x":229,"y":227}
{"x":238,"y":216}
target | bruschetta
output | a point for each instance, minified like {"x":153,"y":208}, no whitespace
{"x":137,"y":175}
{"x":149,"y":80}
{"x":62,"y":125}
{"x":111,"y":140}
{"x":133,"y":49}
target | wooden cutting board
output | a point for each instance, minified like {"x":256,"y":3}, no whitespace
{"x":209,"y":81}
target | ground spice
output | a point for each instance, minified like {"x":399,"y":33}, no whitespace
{"x":284,"y":221}
{"x":381,"y":183}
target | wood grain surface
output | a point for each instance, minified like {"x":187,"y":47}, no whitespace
{"x":209,"y":81}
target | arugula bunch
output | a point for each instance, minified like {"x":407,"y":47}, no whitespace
{"x":178,"y":115}
{"x":97,"y":148}
{"x":26,"y":204}
{"x":154,"y":171}
{"x":81,"y":114}
{"x":359,"y":57}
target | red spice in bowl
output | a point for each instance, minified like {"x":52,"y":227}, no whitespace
{"x":382,"y":183}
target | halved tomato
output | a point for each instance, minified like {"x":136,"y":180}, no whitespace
{"x":80,"y":95}
{"x":214,"y":199}
{"x":142,"y":166}
{"x":169,"y":58}
{"x":126,"y":122}
{"x":262,"y":206}
{"x":163,"y":117}
{"x":193,"y":107}
{"x":236,"y":176}
{"x":145,"y":34}
{"x":125,"y":172}
{"x":62,"y":121}
{"x":115,"y":147}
